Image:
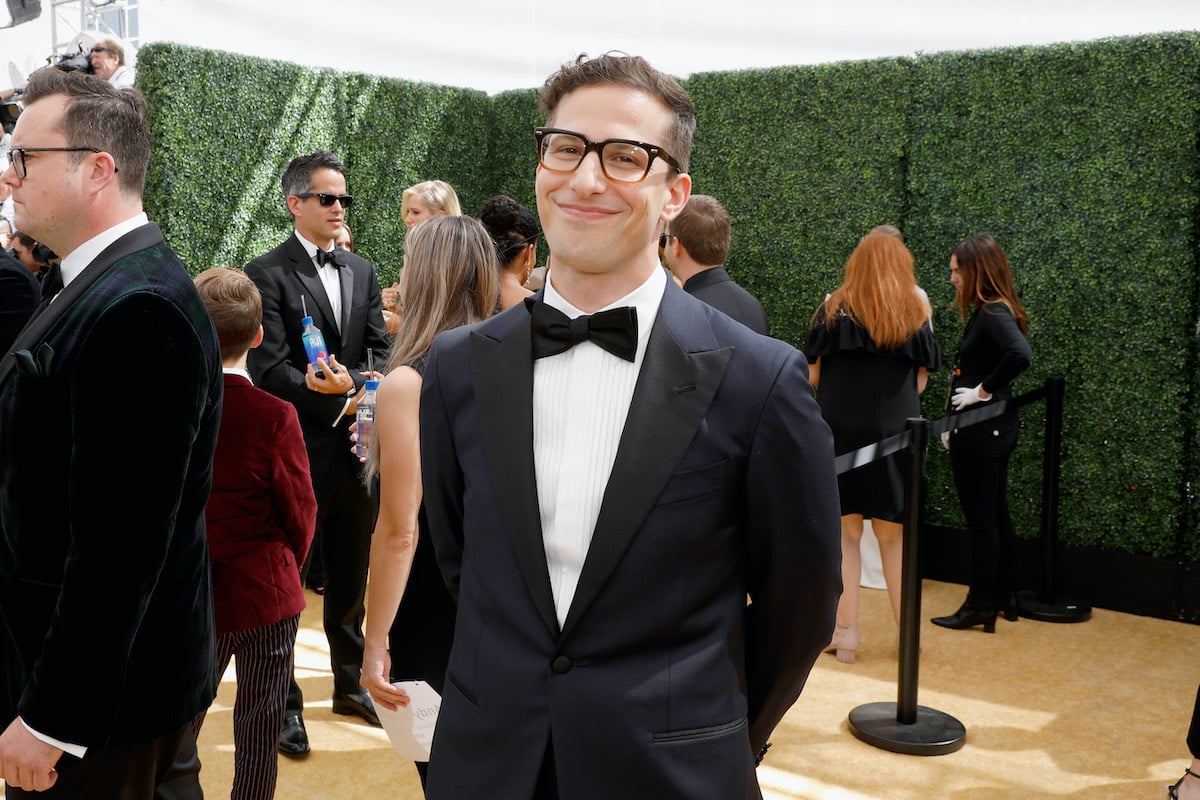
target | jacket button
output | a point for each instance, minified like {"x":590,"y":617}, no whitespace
{"x":561,"y":665}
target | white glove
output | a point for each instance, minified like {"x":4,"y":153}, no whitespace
{"x":964,"y":397}
{"x":946,"y":439}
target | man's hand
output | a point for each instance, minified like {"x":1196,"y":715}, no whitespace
{"x":26,"y":761}
{"x":334,"y":378}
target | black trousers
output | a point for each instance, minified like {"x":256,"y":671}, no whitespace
{"x":123,"y":772}
{"x":979,"y":460}
{"x":345,"y":520}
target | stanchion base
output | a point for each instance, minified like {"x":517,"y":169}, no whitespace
{"x":935,"y":733}
{"x":1060,"y":609}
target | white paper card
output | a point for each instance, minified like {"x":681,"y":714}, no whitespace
{"x":410,"y":728}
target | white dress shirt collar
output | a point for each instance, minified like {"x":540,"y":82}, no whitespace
{"x":77,"y":260}
{"x":309,"y":247}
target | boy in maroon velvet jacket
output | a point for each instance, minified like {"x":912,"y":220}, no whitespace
{"x":261,"y":516}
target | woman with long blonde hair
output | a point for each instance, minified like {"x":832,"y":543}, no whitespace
{"x":871,"y":348}
{"x":450,"y":279}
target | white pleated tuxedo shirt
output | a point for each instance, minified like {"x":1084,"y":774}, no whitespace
{"x":581,"y":398}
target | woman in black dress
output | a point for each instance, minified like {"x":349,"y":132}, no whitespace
{"x":451,"y":278}
{"x":871,"y":349}
{"x":993,"y":352}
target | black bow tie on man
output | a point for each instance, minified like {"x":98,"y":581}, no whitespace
{"x":554,"y":332}
{"x":331,"y":257}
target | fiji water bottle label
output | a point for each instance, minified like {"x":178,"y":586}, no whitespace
{"x":314,"y":346}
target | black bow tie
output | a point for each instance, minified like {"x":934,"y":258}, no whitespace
{"x":331,"y":257}
{"x":554,"y":332}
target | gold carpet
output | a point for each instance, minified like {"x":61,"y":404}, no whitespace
{"x":1096,"y":710}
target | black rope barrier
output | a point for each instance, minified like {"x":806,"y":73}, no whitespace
{"x":904,"y":726}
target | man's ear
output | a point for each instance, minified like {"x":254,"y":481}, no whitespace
{"x":293,"y":204}
{"x":678,"y":192}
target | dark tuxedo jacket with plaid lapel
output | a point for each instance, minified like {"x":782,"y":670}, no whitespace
{"x":109,"y":408}
{"x":663,"y":682}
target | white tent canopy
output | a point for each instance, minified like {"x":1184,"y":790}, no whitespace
{"x":496,"y":45}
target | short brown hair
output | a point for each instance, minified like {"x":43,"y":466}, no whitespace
{"x":101,"y":116}
{"x":235,"y":305}
{"x":636,"y":73}
{"x":703,"y":230}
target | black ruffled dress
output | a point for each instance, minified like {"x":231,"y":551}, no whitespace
{"x":866,"y":394}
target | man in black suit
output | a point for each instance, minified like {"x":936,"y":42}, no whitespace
{"x":106,"y":620}
{"x":695,"y":250}
{"x":19,"y":295}
{"x":340,"y":291}
{"x":605,"y":493}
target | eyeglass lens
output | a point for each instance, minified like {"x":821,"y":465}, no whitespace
{"x":621,"y":161}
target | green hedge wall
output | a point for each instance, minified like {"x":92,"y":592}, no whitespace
{"x":225,"y":126}
{"x":1080,"y":158}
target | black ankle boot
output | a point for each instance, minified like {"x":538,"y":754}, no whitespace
{"x":1009,"y":607}
{"x":969,"y":616}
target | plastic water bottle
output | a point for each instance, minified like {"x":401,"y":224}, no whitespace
{"x":314,"y":342}
{"x":365,"y":419}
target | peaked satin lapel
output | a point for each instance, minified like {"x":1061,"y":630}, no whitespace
{"x":346,"y":281}
{"x":137,"y":239}
{"x":672,"y":395}
{"x":502,"y":377}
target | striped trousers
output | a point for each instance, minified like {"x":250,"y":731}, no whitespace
{"x":263,"y":667}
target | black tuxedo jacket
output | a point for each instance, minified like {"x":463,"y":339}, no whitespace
{"x":284,"y":276}
{"x":109,"y":408}
{"x":663,"y":681}
{"x":715,"y":287}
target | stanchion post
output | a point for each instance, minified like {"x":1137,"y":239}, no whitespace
{"x":1045,"y":604}
{"x":1051,"y":469}
{"x":910,"y":574}
{"x":904,"y":726}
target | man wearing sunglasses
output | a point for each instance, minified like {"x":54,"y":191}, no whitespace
{"x":308,"y":276}
{"x":610,"y":472}
{"x":106,"y":621}
{"x":107,"y":57}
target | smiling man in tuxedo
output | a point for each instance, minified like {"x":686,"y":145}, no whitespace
{"x":340,"y":291}
{"x":611,"y":471}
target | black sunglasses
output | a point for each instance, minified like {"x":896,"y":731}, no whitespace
{"x":327,"y":200}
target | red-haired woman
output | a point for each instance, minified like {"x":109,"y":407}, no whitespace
{"x":871,"y":348}
{"x":993,"y":352}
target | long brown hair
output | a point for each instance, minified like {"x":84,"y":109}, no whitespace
{"x":451,"y":278}
{"x":985,"y":277}
{"x":879,"y":291}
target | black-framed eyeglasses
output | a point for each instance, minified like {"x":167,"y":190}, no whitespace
{"x":326,"y":200}
{"x":621,"y":160}
{"x":20,"y":166}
